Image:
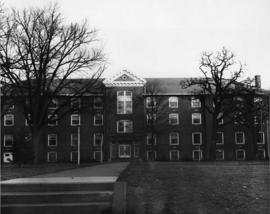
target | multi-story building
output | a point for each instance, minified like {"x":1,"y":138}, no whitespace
{"x":119,"y":123}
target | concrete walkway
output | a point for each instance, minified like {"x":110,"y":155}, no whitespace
{"x":108,"y":172}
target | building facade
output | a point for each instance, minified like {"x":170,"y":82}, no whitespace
{"x":126,"y":121}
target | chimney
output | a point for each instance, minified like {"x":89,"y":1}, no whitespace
{"x":258,"y":83}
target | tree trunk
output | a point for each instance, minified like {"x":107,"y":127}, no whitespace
{"x":37,"y":143}
{"x":211,"y":145}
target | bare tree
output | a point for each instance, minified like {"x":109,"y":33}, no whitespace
{"x":40,"y":55}
{"x":230,"y":96}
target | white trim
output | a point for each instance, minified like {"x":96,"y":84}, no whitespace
{"x":173,"y":100}
{"x":95,"y":124}
{"x":149,"y":118}
{"x":148,"y":138}
{"x":56,"y":101}
{"x":220,"y":150}
{"x":12,"y":119}
{"x":222,"y":138}
{"x":263,"y":153}
{"x":124,"y":125}
{"x":48,"y":156}
{"x":178,"y":155}
{"x":11,"y":157}
{"x":95,"y":137}
{"x":56,"y":121}
{"x":12,"y":139}
{"x":196,"y":116}
{"x":170,"y":138}
{"x":124,"y":156}
{"x":200,"y":154}
{"x":94,"y":155}
{"x":71,"y":139}
{"x":173,"y":116}
{"x":193,"y":133}
{"x":240,"y":150}
{"x":48,"y":140}
{"x":195,"y":100}
{"x":235,"y":138}
{"x":263,"y":137}
{"x":148,"y":152}
{"x":124,"y":99}
{"x":71,"y":156}
{"x":149,"y":100}
{"x":71,"y":120}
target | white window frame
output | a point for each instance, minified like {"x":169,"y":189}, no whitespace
{"x":75,"y":100}
{"x":196,"y":116}
{"x":221,"y":121}
{"x":71,"y":155}
{"x":56,"y":121}
{"x":194,"y":101}
{"x":235,"y":138}
{"x":56,"y":101}
{"x":95,"y":155}
{"x":10,"y":154}
{"x":178,"y":154}
{"x":263,"y":137}
{"x":200,"y":154}
{"x":48,"y":156}
{"x":95,"y":101}
{"x":263,"y":152}
{"x":95,"y":137}
{"x":124,"y":156}
{"x":148,"y":152}
{"x":173,"y":115}
{"x":125,"y":130}
{"x":12,"y":119}
{"x":71,"y":139}
{"x":148,"y":119}
{"x":173,"y":100}
{"x":125,"y":98}
{"x":148,"y":139}
{"x":71,"y":119}
{"x":148,"y":101}
{"x":134,"y":150}
{"x":222,"y":138}
{"x":26,"y":122}
{"x":193,"y":134}
{"x":95,"y":118}
{"x":238,"y":150}
{"x":220,"y":150}
{"x":170,"y":138}
{"x":5,"y":138}
{"x":56,"y":140}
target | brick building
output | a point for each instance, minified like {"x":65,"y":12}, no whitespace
{"x":116,"y":126}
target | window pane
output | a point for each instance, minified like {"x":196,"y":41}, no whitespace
{"x":173,"y":102}
{"x":120,"y":107}
{"x":74,"y":139}
{"x":129,"y":126}
{"x":98,"y":138}
{"x":8,"y":140}
{"x":196,"y":138}
{"x":174,"y":155}
{"x":219,"y":138}
{"x":219,"y":155}
{"x":260,"y":137}
{"x":120,"y":126}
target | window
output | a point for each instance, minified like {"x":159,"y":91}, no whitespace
{"x":260,"y":138}
{"x":136,"y":151}
{"x":174,"y":155}
{"x":52,"y":156}
{"x":124,"y":102}
{"x":27,"y":138}
{"x":173,"y":119}
{"x":75,"y":120}
{"x":74,"y":156}
{"x":220,"y":121}
{"x":151,"y":155}
{"x":197,"y":155}
{"x":195,"y":103}
{"x":240,"y":154}
{"x":151,"y":139}
{"x":97,"y":155}
{"x":260,"y":154}
{"x":196,"y":138}
{"x":75,"y":103}
{"x":151,"y":118}
{"x":8,"y":120}
{"x":98,"y":139}
{"x":74,"y":139}
{"x":196,"y":119}
{"x":124,"y":126}
{"x":26,"y":121}
{"x":8,"y":140}
{"x":53,"y":104}
{"x":124,"y":151}
{"x":7,"y":157}
{"x":173,"y":102}
{"x":174,"y":138}
{"x":219,"y":138}
{"x":98,"y":103}
{"x":52,"y":139}
{"x":53,"y":120}
{"x":239,"y":138}
{"x":150,"y":102}
{"x":98,"y":119}
{"x":219,"y":154}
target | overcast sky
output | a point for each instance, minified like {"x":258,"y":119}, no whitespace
{"x":165,"y":38}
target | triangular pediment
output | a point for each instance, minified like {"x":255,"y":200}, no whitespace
{"x":124,"y":79}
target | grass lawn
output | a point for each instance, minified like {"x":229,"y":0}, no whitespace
{"x":28,"y":170}
{"x":203,"y":188}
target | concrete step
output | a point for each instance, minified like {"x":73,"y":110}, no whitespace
{"x":57,"y":187}
{"x":58,"y":208}
{"x":56,"y":197}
